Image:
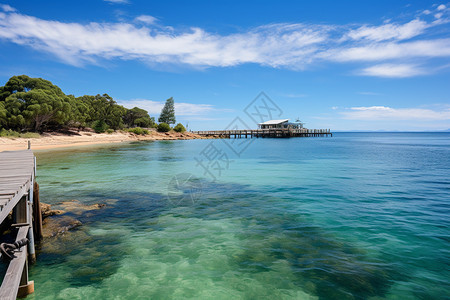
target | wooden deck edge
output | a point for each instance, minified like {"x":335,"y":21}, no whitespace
{"x":13,"y":202}
{"x":11,"y":282}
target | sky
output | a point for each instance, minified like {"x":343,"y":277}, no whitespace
{"x":343,"y":65}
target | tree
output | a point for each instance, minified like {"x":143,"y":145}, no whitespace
{"x":138,"y":117}
{"x":37,"y":108}
{"x":37,"y":104}
{"x":168,"y":112}
{"x":104,"y":108}
{"x":3,"y":113}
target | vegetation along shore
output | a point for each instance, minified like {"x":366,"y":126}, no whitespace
{"x":37,"y":110}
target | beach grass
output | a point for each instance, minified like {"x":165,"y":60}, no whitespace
{"x":14,"y":134}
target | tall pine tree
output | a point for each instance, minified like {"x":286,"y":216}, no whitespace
{"x":168,"y":112}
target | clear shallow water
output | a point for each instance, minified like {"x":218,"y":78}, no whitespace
{"x":356,"y":216}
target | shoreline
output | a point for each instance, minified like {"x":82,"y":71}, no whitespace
{"x":85,"y":138}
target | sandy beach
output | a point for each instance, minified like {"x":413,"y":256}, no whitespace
{"x":58,"y":140}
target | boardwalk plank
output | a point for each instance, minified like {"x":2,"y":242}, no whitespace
{"x":10,"y":285}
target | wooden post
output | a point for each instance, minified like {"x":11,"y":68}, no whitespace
{"x":30,"y":235}
{"x":37,"y":214}
{"x":26,"y":287}
{"x":20,"y":211}
{"x":31,"y":249}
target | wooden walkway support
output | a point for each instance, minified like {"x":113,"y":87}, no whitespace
{"x":17,"y":184}
{"x":266,"y":133}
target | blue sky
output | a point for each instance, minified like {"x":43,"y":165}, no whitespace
{"x":344,"y":65}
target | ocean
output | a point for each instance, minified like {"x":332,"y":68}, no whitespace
{"x":353,"y":216}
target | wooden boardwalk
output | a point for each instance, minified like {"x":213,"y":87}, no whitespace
{"x":266,"y":133}
{"x":17,"y":190}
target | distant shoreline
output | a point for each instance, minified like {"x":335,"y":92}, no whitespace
{"x":58,"y":140}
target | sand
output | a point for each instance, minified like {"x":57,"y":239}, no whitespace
{"x":83,"y":138}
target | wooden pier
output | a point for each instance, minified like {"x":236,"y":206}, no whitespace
{"x":266,"y":133}
{"x":19,"y":199}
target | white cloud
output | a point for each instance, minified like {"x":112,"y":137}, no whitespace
{"x":190,"y":109}
{"x":389,"y":31}
{"x":292,"y":46}
{"x":181,"y":108}
{"x":275,"y":45}
{"x":372,"y":108}
{"x":146,"y":19}
{"x":7,"y":8}
{"x":391,"y":50}
{"x":441,"y":7}
{"x":371,"y":113}
{"x":393,"y":70}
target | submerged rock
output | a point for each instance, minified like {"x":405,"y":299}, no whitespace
{"x":60,"y":222}
{"x":76,"y":207}
{"x":59,"y":225}
{"x":47,"y":211}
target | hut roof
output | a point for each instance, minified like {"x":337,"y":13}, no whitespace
{"x":274,"y":122}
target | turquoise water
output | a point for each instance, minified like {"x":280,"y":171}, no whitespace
{"x":356,"y":216}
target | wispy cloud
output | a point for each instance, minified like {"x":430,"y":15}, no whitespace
{"x":392,"y":70}
{"x":389,"y":31}
{"x":146,"y":19}
{"x":370,"y":113}
{"x":392,"y":46}
{"x":117,"y":1}
{"x":7,"y":8}
{"x":391,"y":50}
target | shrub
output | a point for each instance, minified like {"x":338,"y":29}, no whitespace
{"x":179,"y":128}
{"x":109,"y":131}
{"x":30,"y":135}
{"x":99,"y":126}
{"x":9,"y":133}
{"x":163,"y":127}
{"x":14,"y":134}
{"x":138,"y":130}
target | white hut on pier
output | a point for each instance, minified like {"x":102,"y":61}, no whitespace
{"x":280,"y":124}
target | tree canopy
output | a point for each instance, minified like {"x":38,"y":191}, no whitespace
{"x":35,"y":104}
{"x":168,"y":112}
{"x":139,"y":117}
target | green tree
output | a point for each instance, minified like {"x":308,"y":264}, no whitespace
{"x":3,"y":113}
{"x":104,"y":108}
{"x":37,"y":108}
{"x":168,"y":112}
{"x":138,"y":117}
{"x":23,"y":83}
{"x":99,"y":126}
{"x":37,"y":104}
